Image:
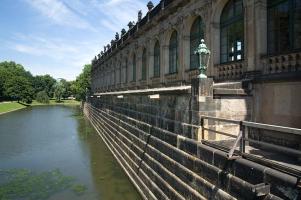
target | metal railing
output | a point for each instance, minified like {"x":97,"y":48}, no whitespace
{"x":242,"y":137}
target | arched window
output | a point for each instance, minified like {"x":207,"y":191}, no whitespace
{"x":120,"y":72}
{"x":126,"y":71}
{"x":113,"y":77}
{"x":232,"y":31}
{"x":134,"y":67}
{"x":284,"y":26}
{"x":143,"y":69}
{"x":173,"y":53}
{"x":196,"y":34}
{"x":157,"y":59}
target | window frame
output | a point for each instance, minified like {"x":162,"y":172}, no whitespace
{"x":144,"y":65}
{"x":173,"y":53}
{"x":134,"y":68}
{"x":225,"y":26}
{"x":292,"y":9}
{"x":157,"y":64}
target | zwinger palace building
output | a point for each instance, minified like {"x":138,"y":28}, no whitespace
{"x":255,"y":42}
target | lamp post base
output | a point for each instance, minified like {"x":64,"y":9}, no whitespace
{"x":202,"y":76}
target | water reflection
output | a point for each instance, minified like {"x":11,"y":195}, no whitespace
{"x":58,"y":137}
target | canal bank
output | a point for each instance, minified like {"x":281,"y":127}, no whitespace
{"x":7,"y":107}
{"x":47,"y":140}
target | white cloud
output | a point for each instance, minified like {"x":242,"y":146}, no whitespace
{"x":119,"y":12}
{"x":65,"y":57}
{"x":59,"y":13}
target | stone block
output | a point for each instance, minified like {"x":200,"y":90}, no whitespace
{"x":282,"y":184}
{"x":189,"y":147}
{"x":202,"y":87}
{"x":205,"y":153}
{"x":171,"y":138}
{"x":206,"y":171}
{"x":221,"y":161}
{"x":249,"y":171}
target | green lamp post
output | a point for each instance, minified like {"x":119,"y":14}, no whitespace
{"x":204,"y":55}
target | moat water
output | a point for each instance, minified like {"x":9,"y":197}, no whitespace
{"x":53,"y":152}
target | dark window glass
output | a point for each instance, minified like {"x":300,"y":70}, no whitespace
{"x":157,"y":59}
{"x":297,"y":25}
{"x":120,"y":72}
{"x":232,"y":32}
{"x":196,"y":34}
{"x":134,"y":67}
{"x":284,"y":26}
{"x":143,"y":70}
{"x":173,"y":52}
{"x":126,"y":71}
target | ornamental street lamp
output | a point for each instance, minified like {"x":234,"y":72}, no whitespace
{"x":204,"y":55}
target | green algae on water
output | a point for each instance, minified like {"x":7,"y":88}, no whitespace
{"x":25,"y":184}
{"x":79,"y":189}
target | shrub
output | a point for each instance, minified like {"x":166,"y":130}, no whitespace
{"x":42,"y":97}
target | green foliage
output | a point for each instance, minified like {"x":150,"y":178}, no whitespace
{"x":24,"y":184}
{"x":10,"y":71}
{"x":42,"y":97}
{"x":67,"y":88}
{"x":18,"y":84}
{"x":44,"y":83}
{"x":19,"y":88}
{"x":59,"y":90}
{"x":82,"y":83}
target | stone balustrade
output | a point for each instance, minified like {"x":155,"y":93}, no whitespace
{"x":230,"y":71}
{"x":282,"y":63}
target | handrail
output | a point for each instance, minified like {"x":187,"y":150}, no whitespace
{"x":221,"y":119}
{"x":246,"y":124}
{"x":282,"y":129}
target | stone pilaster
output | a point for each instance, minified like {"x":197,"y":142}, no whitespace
{"x":201,"y":99}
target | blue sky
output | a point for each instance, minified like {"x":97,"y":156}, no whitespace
{"x":58,"y":37}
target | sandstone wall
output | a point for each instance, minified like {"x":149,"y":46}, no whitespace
{"x":166,"y":165}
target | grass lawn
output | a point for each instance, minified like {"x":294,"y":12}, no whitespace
{"x":10,"y":106}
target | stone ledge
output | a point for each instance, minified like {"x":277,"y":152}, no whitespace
{"x":225,"y":91}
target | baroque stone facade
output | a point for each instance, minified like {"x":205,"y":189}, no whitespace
{"x":159,"y":120}
{"x":157,"y":50}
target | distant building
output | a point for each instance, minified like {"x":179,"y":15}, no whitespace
{"x":254,"y":41}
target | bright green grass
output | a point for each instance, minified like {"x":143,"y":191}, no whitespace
{"x":10,"y":106}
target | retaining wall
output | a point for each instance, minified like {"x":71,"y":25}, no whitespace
{"x":166,"y":165}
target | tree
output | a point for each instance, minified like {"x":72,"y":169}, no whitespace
{"x":8,"y":71}
{"x":59,"y":90}
{"x":44,"y":83}
{"x":19,"y":88}
{"x":42,"y":97}
{"x":67,"y":88}
{"x":82,"y":82}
